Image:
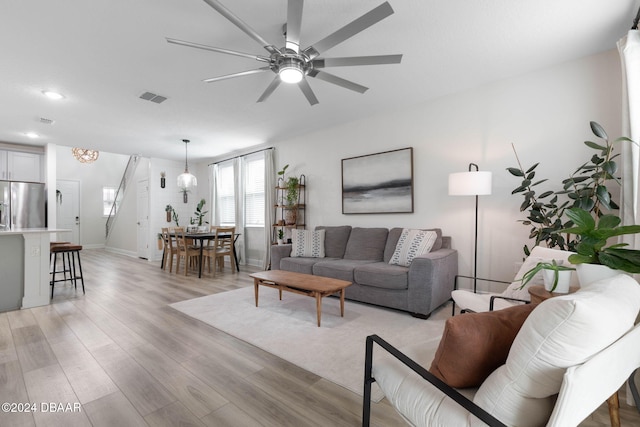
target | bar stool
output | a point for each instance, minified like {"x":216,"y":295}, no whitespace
{"x":72,"y":251}
{"x":65,"y":261}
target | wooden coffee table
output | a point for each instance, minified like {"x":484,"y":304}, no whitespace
{"x":303,"y":284}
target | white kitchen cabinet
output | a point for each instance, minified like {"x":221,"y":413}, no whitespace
{"x":20,"y":166}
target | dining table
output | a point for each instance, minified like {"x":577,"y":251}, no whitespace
{"x":206,"y":236}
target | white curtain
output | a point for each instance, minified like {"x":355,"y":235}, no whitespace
{"x":269,"y":202}
{"x":629,"y":49}
{"x":213,"y":186}
{"x":238,"y":177}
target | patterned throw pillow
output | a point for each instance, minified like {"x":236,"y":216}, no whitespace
{"x":411,"y":244}
{"x":307,"y":243}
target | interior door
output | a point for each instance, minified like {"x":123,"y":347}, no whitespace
{"x":68,"y":209}
{"x":143,"y":218}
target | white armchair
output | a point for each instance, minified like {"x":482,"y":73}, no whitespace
{"x":479,"y":302}
{"x":579,"y":348}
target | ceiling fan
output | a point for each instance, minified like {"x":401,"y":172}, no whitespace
{"x":290,"y":63}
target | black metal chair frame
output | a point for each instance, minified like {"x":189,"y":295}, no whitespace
{"x":491,"y":302}
{"x":454,"y":394}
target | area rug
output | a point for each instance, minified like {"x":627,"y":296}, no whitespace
{"x":288,"y":329}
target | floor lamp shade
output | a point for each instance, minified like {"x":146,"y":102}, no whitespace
{"x":472,"y":183}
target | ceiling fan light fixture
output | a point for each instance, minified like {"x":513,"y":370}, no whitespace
{"x":291,"y":71}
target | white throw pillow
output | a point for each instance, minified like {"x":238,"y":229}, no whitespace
{"x":411,"y":244}
{"x":307,"y":243}
{"x":560,"y":332}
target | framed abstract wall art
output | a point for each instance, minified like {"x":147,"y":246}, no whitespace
{"x":378,"y":183}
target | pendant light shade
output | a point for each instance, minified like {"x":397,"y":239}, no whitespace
{"x":186,"y":180}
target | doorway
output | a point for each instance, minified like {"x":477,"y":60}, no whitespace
{"x":68,"y":208}
{"x":143,"y":218}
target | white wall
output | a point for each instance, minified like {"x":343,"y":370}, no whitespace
{"x":105,"y":172}
{"x":159,"y":198}
{"x":124,"y":230}
{"x":545,"y":114}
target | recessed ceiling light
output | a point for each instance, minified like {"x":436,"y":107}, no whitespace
{"x":52,"y":95}
{"x":32,"y":135}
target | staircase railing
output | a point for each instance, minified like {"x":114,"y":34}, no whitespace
{"x":126,"y":177}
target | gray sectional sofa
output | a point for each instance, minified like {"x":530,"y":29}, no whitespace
{"x":361,"y":256}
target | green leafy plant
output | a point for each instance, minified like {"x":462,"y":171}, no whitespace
{"x":168,"y":208}
{"x":291,"y":195}
{"x":281,"y":234}
{"x":175,"y":217}
{"x":282,"y":171}
{"x":544,"y":212}
{"x":586,"y":188}
{"x":593,"y":238}
{"x":199,"y":214}
{"x":552,"y":266}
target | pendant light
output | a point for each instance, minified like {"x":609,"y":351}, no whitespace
{"x":186,"y":180}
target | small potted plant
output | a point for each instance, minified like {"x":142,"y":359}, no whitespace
{"x":291,"y":200}
{"x":592,"y":248}
{"x":280,"y":236}
{"x":200,"y":215}
{"x":168,"y":209}
{"x":162,"y":179}
{"x":556,"y":277}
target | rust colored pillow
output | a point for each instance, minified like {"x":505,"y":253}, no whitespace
{"x":473,"y":345}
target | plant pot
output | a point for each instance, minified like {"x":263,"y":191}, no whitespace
{"x":589,"y":273}
{"x":564,"y":279}
{"x":162,"y":182}
{"x":290,"y":216}
{"x":168,"y":216}
{"x":280,"y":242}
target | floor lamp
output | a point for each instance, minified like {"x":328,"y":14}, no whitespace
{"x":472,"y":183}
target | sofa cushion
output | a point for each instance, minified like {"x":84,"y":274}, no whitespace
{"x":307,"y":243}
{"x":382,"y":275}
{"x":394,"y":236}
{"x":474,"y":345}
{"x":300,"y":264}
{"x":338,"y":269}
{"x":411,"y":244}
{"x":561,"y":332}
{"x":335,"y":240}
{"x":366,"y":244}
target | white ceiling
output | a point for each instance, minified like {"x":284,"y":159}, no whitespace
{"x":103,"y":55}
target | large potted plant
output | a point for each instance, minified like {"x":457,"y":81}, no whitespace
{"x":586,"y":189}
{"x":593,"y":248}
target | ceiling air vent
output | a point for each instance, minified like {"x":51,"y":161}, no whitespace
{"x":148,"y":96}
{"x":46,"y":121}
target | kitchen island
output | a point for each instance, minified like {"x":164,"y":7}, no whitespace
{"x":25,"y":266}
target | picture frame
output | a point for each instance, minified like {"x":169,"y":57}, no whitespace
{"x":378,"y":183}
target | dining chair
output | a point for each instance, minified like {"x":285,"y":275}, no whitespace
{"x":184,"y":250}
{"x":222,"y":246}
{"x":169,"y":249}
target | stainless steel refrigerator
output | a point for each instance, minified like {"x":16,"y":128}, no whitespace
{"x":22,"y":205}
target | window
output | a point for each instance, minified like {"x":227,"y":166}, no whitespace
{"x":226,"y":194}
{"x":108,"y":198}
{"x":254,"y":191}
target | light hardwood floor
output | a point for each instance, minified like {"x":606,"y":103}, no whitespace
{"x":125,"y":358}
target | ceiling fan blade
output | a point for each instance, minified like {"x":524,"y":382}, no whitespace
{"x":272,"y":86}
{"x":356,"y":60}
{"x":240,"y":74}
{"x":330,"y":78}
{"x":218,"y":49}
{"x":365,"y":21}
{"x":222,"y":10}
{"x":294,"y":23}
{"x":308,"y":93}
